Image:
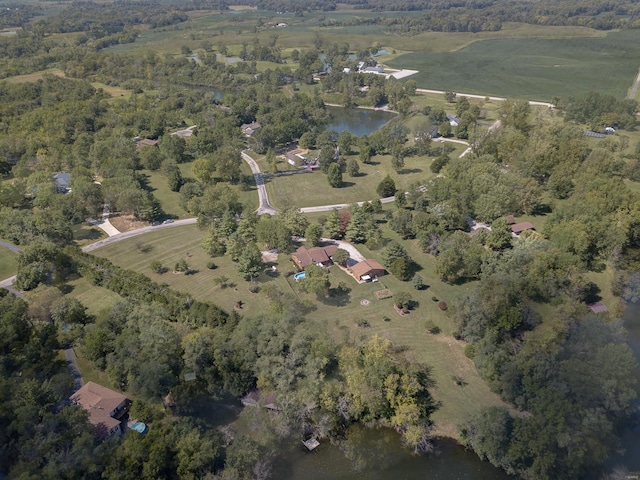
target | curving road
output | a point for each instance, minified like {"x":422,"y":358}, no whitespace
{"x":138,"y":231}
{"x":265,"y":207}
{"x":340,"y":206}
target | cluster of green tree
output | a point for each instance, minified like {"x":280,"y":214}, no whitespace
{"x":473,"y":16}
{"x":43,"y":435}
{"x":598,"y":111}
{"x":262,"y":53}
{"x":40,"y":434}
{"x":367,"y":89}
{"x":18,"y":14}
{"x":573,"y":377}
{"x":103,"y":19}
{"x":437,"y":20}
{"x":286,"y":119}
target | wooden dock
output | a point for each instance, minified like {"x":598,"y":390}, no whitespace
{"x":311,"y":444}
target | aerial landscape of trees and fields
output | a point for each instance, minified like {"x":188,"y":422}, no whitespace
{"x":306,"y":239}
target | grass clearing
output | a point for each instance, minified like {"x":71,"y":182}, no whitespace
{"x":8,"y":263}
{"x":169,"y":200}
{"x":312,"y":189}
{"x":111,"y":90}
{"x":95,"y":298}
{"x":90,"y":373}
{"x":35,"y":76}
{"x":85,"y":234}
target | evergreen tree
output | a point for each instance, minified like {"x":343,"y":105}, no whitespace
{"x":387,"y":187}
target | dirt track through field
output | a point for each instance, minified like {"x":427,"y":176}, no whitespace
{"x":634,"y":89}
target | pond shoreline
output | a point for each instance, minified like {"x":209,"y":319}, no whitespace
{"x":384,"y":108}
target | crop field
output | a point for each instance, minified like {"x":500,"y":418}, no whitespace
{"x":535,"y":68}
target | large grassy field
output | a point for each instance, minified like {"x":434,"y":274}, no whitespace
{"x":342,"y":315}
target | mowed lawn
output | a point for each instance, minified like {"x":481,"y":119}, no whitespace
{"x":171,"y":245}
{"x":312,"y":189}
{"x":8,"y":263}
{"x":534,"y":68}
{"x":342,"y":315}
{"x":96,"y":299}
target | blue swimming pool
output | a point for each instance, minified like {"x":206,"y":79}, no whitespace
{"x":300,"y":276}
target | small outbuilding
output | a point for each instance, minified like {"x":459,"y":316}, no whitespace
{"x":367,"y":270}
{"x":257,"y":398}
{"x":453,"y":120}
{"x":311,"y":444}
{"x":598,"y":307}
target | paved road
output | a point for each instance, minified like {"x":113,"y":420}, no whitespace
{"x":10,"y":246}
{"x":74,"y":370}
{"x":265,"y":207}
{"x":471,"y":95}
{"x":353,"y":251}
{"x":340,"y":206}
{"x":7,"y":284}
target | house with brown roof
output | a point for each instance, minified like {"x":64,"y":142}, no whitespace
{"x":518,"y":228}
{"x":598,"y":307}
{"x":146,"y":142}
{"x":105,"y":407}
{"x":367,"y":270}
{"x":258,"y":398}
{"x":511,"y":220}
{"x":305,"y":256}
{"x":248,"y":129}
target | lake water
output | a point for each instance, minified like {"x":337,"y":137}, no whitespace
{"x":377,"y":454}
{"x":358,"y":121}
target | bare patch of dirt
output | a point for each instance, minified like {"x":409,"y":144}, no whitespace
{"x":124,"y":223}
